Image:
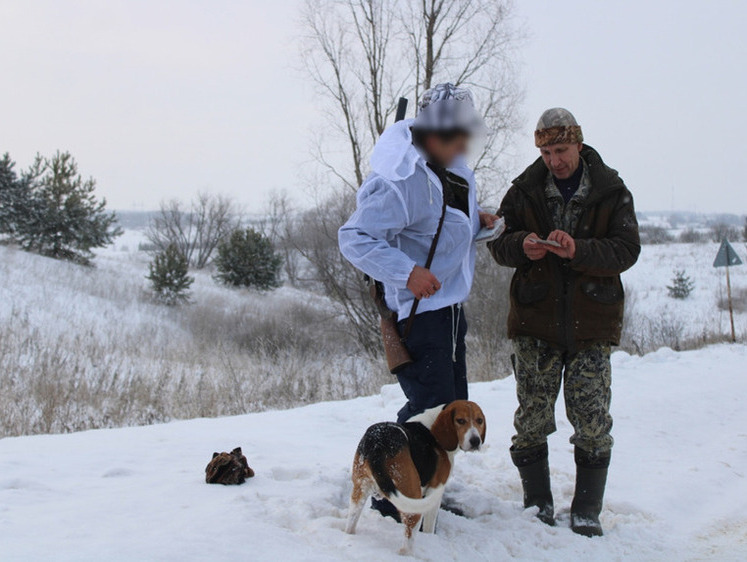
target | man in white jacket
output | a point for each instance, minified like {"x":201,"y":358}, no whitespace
{"x":417,"y":165}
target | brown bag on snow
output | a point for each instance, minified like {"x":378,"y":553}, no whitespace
{"x":228,"y":468}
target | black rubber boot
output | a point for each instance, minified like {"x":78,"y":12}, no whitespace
{"x":591,"y":478}
{"x":534,"y":470}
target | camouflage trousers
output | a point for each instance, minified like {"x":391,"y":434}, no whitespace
{"x":586,"y":377}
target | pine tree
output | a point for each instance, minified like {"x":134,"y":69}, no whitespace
{"x":15,"y":198}
{"x":247,"y":259}
{"x":66,"y":221}
{"x":169,"y":276}
{"x":681,"y":286}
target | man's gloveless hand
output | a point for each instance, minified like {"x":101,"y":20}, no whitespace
{"x":533,"y":250}
{"x":567,"y":248}
{"x":488,"y":220}
{"x":422,"y":283}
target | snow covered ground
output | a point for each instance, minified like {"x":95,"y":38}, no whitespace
{"x":650,"y":309}
{"x":677,"y":490}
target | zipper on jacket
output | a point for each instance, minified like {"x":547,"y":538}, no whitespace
{"x":559,"y":274}
{"x":564,"y":279}
{"x":567,"y":317}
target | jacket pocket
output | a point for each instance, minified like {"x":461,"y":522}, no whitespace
{"x":604,"y":293}
{"x":528,"y":292}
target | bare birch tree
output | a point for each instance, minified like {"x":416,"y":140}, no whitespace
{"x":471,"y":43}
{"x":196,"y":229}
{"x":279,"y":227}
{"x":362,"y":56}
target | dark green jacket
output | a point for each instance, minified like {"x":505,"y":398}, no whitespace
{"x":569,"y":303}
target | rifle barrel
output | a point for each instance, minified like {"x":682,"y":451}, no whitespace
{"x":401,"y":110}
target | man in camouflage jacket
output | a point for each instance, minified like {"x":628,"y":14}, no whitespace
{"x":567,"y":307}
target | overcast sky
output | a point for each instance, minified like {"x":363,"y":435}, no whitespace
{"x":160,"y":99}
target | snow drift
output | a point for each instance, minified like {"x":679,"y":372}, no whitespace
{"x":677,"y":485}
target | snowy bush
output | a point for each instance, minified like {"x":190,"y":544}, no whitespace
{"x":723,"y":230}
{"x":169,"y":276}
{"x":487,"y":308}
{"x":738,"y":300}
{"x":691,"y":236}
{"x":643,"y":334}
{"x":655,"y":235}
{"x":247,"y":259}
{"x":681,"y":287}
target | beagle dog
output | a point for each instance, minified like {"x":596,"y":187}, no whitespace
{"x":410,"y":463}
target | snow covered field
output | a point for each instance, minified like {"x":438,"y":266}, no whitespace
{"x":649,"y":303}
{"x":85,"y":348}
{"x":677,"y":490}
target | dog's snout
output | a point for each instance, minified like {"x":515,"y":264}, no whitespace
{"x":474,"y":442}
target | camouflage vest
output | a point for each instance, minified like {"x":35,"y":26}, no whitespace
{"x":565,"y":216}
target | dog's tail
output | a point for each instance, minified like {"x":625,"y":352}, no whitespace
{"x":405,"y":504}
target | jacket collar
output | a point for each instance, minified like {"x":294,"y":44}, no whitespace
{"x":604,"y":180}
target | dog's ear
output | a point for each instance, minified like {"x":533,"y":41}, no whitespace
{"x":484,"y":426}
{"x":444,"y":431}
{"x":215,"y":454}
{"x":237,"y":452}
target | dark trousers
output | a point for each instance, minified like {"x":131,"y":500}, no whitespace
{"x":438,"y":374}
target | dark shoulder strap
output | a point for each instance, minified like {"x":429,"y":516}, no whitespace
{"x":428,"y":262}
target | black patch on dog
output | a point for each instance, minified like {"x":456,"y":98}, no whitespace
{"x":383,"y":441}
{"x":423,"y":447}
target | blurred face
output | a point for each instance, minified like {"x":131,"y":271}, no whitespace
{"x":562,"y":159}
{"x":445,"y":149}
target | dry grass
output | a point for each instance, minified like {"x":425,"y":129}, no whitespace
{"x":83,"y":349}
{"x":48,"y":387}
{"x":738,"y":299}
{"x":644,"y":333}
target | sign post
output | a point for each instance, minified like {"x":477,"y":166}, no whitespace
{"x":728,"y":256}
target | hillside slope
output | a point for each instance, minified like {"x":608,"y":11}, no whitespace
{"x":677,"y":484}
{"x":83,"y":348}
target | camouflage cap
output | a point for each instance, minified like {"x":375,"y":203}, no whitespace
{"x":557,"y":126}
